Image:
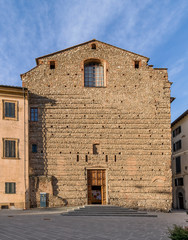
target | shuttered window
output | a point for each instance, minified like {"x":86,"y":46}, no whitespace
{"x":177,"y":146}
{"x":10,"y":187}
{"x":9,"y":110}
{"x":178,"y":165}
{"x":177,"y":131}
{"x":179,"y":182}
{"x":10,"y":148}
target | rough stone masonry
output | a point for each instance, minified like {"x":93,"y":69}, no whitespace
{"x":122,"y":129}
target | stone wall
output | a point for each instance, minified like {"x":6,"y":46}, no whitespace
{"x":46,"y":184}
{"x":129,"y":119}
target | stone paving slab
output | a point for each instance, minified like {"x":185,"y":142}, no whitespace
{"x":43,"y":226}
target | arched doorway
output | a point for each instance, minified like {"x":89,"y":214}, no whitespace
{"x":180,"y":201}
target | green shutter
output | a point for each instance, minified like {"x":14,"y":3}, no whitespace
{"x":9,"y":109}
{"x":10,"y":187}
{"x":10,"y":148}
{"x":6,"y":187}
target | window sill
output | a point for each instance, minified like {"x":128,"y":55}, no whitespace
{"x":13,"y":119}
{"x":177,"y":150}
{"x":95,"y":87}
{"x":11,"y":158}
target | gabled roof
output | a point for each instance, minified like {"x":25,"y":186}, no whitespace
{"x":93,"y":40}
{"x":179,"y":118}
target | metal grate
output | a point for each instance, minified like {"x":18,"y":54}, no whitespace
{"x":93,"y":75}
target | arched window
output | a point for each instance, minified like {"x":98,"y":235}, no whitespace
{"x":93,"y":46}
{"x":93,"y":74}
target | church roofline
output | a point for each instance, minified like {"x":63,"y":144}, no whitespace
{"x":90,"y":41}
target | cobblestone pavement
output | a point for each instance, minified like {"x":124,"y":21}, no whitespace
{"x":47,"y":225}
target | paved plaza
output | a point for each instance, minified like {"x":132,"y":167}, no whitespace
{"x":52,"y":224}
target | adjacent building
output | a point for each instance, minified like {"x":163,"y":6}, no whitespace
{"x":99,"y":129}
{"x":180,"y":161}
{"x":14,"y":185}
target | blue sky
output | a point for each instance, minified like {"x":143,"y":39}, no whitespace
{"x":156,"y":29}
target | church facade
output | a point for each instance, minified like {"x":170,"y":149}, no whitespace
{"x":99,"y":129}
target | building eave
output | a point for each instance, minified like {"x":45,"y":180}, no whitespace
{"x":13,"y":90}
{"x":172,"y":99}
{"x":179,"y":118}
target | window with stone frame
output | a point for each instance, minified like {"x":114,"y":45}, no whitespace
{"x":10,"y":148}
{"x":10,"y":187}
{"x":9,"y":110}
{"x":94,"y":74}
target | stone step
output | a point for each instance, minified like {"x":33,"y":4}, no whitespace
{"x":108,"y":215}
{"x":112,"y":211}
{"x":109,"y":211}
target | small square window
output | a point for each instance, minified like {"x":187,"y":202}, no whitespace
{"x":10,"y":147}
{"x":93,"y":46}
{"x":52,"y":64}
{"x":136,"y":64}
{"x":9,"y":110}
{"x":96,"y":149}
{"x":34,"y":114}
{"x":10,"y":187}
{"x":34,"y":148}
{"x":179,"y":182}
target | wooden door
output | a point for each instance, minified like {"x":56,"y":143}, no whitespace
{"x":96,"y":177}
{"x":180,"y":198}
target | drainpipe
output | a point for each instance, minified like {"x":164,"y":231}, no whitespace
{"x":25,"y":178}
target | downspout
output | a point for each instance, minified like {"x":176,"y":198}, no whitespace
{"x":25,"y":180}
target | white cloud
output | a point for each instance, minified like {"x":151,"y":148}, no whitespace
{"x":84,"y":20}
{"x":23,"y":37}
{"x":30,"y":29}
{"x":146,"y":24}
{"x":138,"y":26}
{"x":177,"y":67}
